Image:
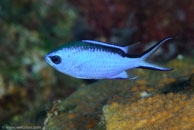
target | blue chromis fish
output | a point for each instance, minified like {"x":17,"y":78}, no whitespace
{"x":89,"y":59}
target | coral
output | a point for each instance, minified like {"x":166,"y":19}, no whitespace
{"x":165,"y":112}
{"x":28,"y":30}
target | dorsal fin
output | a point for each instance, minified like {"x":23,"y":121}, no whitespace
{"x":123,"y":48}
{"x":132,"y":48}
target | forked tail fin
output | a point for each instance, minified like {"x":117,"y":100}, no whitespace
{"x":150,"y":51}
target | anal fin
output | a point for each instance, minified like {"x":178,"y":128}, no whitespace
{"x":122,"y":75}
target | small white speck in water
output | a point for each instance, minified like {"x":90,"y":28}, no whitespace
{"x":145,"y":94}
{"x":180,"y":57}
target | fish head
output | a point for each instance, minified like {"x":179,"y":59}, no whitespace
{"x":57,"y":60}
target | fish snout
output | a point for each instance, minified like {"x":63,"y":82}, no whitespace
{"x":47,"y":59}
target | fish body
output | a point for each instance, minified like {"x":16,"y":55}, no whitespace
{"x":89,"y":59}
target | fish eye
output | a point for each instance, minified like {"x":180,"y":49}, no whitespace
{"x":55,"y":59}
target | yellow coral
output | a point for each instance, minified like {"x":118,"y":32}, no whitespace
{"x":165,"y":112}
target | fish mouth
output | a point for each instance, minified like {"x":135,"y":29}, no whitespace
{"x":47,"y":59}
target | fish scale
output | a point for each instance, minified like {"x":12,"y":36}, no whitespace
{"x":89,"y":59}
{"x":101,"y":66}
{"x":98,"y":65}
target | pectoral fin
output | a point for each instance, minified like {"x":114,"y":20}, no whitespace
{"x":78,"y":67}
{"x":122,"y":75}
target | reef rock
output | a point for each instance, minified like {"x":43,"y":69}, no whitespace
{"x":156,"y":100}
{"x":159,"y":112}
